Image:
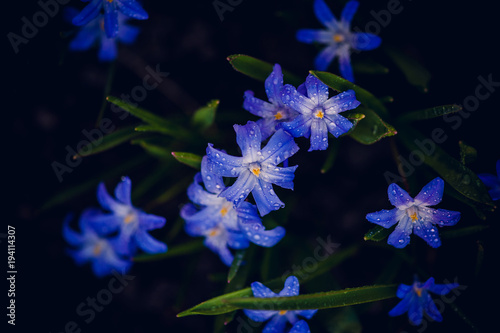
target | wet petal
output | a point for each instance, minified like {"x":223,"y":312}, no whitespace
{"x":198,"y":195}
{"x":248,"y":138}
{"x":384,"y":218}
{"x":319,"y":135}
{"x":257,"y":106}
{"x":223,"y":164}
{"x":317,"y":91}
{"x":132,"y":9}
{"x":428,"y":232}
{"x":255,"y":232}
{"x":275,"y":325}
{"x":260,"y":290}
{"x":443,"y":217}
{"x":282,"y":177}
{"x":306,"y":313}
{"x":238,"y":192}
{"x":431,"y":194}
{"x":300,"y":126}
{"x":237,"y":241}
{"x":259,"y":315}
{"x":265,"y":198}
{"x":213,"y":182}
{"x":291,"y":287}
{"x":292,"y":98}
{"x":274,"y":85}
{"x":400,"y":237}
{"x":337,"y":124}
{"x":341,"y":102}
{"x":300,"y":327}
{"x":279,"y":147}
{"x":399,"y":197}
{"x":198,"y":222}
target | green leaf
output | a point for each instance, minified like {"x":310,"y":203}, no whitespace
{"x":204,"y":117}
{"x":340,"y":84}
{"x":259,"y":69}
{"x":324,"y":300}
{"x":179,"y":250}
{"x":414,"y":72}
{"x":371,"y":129}
{"x":190,"y":159}
{"x":154,"y":149}
{"x":468,"y":154}
{"x":156,"y":121}
{"x":235,"y":265}
{"x":430,"y":113}
{"x":377,"y":233}
{"x":369,"y":67}
{"x":108,"y":141}
{"x":452,"y":171}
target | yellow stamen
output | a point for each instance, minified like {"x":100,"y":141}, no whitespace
{"x":224,"y":211}
{"x":414,"y":217}
{"x":256,"y":171}
{"x":418,"y":291}
{"x":214,"y":232}
{"x":278,"y":115}
{"x":319,"y":114}
{"x":110,"y":1}
{"x":282,"y":312}
{"x":129,"y":218}
{"x":338,"y":38}
{"x":97,"y":249}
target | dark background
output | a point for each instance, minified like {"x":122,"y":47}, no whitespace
{"x":52,"y":95}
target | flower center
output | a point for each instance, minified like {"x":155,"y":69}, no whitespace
{"x":129,"y":218}
{"x":214,"y":232}
{"x":282,"y":312}
{"x":224,"y":211}
{"x":318,"y":113}
{"x":418,"y":291}
{"x":412,"y":213}
{"x":97,"y":249}
{"x":255,"y":169}
{"x":338,"y":38}
{"x":278,"y":115}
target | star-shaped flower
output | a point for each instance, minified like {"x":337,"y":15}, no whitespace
{"x":274,"y":111}
{"x":278,"y":319}
{"x":416,"y":299}
{"x":318,"y":113}
{"x":93,"y":34}
{"x":130,"y":8}
{"x":132,"y":224}
{"x":338,"y":37}
{"x":257,"y":169}
{"x":493,"y":182}
{"x":222,"y":225}
{"x":94,"y":248}
{"x":414,"y":215}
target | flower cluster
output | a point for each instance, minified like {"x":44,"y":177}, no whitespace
{"x":109,"y":238}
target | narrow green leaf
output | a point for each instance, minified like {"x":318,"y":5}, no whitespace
{"x":108,"y":141}
{"x":371,"y":129}
{"x":204,"y":117}
{"x":468,"y":154}
{"x":414,"y":72}
{"x":179,"y":250}
{"x":259,"y":69}
{"x":154,"y":149}
{"x":463,"y":231}
{"x":190,"y":159}
{"x":452,"y":171}
{"x":430,"y":113}
{"x":377,"y":233}
{"x":235,"y":265}
{"x":324,"y":300}
{"x":340,"y":84}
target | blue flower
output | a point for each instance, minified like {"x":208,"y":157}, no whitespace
{"x":414,"y":215}
{"x":318,"y":113}
{"x":493,"y":182}
{"x":130,"y":8}
{"x":257,"y":169}
{"x":132,"y":224}
{"x":300,"y":327}
{"x":94,"y":248}
{"x":93,"y":34}
{"x":416,"y":299}
{"x":338,"y":38}
{"x":222,"y":225}
{"x":278,"y":319}
{"x":272,"y":112}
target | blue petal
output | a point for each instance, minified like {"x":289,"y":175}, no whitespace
{"x":132,"y":9}
{"x":400,"y":237}
{"x":300,"y":327}
{"x":337,"y":124}
{"x":198,"y":222}
{"x":306,"y":313}
{"x":365,"y":41}
{"x":255,"y":232}
{"x":279,"y":148}
{"x":107,"y":50}
{"x":236,"y":240}
{"x":297,"y":101}
{"x":223,"y":164}
{"x":324,"y":15}
{"x":344,"y":101}
{"x":85,"y":38}
{"x":88,"y":13}
{"x":198,"y":195}
{"x":349,"y":10}
{"x":325,"y":58}
{"x":102,"y":223}
{"x":403,"y":306}
{"x":345,"y":64}
{"x":291,"y":287}
{"x":69,"y":234}
{"x":416,"y":310}
{"x":431,"y":194}
{"x":150,"y":221}
{"x":274,"y":84}
{"x":319,"y":135}
{"x":399,"y":197}
{"x":431,"y":309}
{"x":267,"y":127}
{"x":101,"y":268}
{"x":111,"y":25}
{"x":428,"y":232}
{"x":489,"y":180}
{"x":403,"y":290}
{"x":310,"y":36}
{"x":442,"y":289}
{"x":213,"y":182}
{"x":282,"y":177}
{"x":105,"y":200}
{"x":238,"y":192}
{"x":443,"y":217}
{"x":317,"y":91}
{"x":128,"y":34}
{"x":265,"y":198}
{"x":494,"y":194}
{"x":260,"y":290}
{"x":248,"y":138}
{"x":275,"y":325}
{"x":384,"y":218}
{"x":148,"y":244}
{"x":257,"y":106}
{"x":259,"y":315}
{"x":300,"y":126}
{"x":123,"y":191}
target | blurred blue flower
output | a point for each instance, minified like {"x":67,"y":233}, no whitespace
{"x":132,"y":224}
{"x":414,"y":215}
{"x":278,"y":319}
{"x":257,"y":169}
{"x":300,"y":327}
{"x":112,"y":8}
{"x":93,"y":34}
{"x":493,"y":182}
{"x":318,"y":113}
{"x":338,"y":37}
{"x":94,"y":248}
{"x":416,"y":299}
{"x":274,"y":111}
{"x":222,"y":225}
